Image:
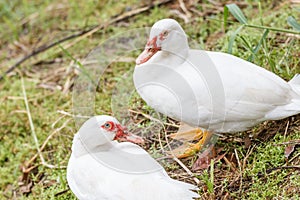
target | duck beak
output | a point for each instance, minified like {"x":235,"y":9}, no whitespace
{"x":123,"y":135}
{"x":146,"y":55}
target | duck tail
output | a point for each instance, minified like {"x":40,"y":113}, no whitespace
{"x":291,"y":108}
{"x":295,"y":84}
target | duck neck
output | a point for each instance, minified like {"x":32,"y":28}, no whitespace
{"x":81,"y":147}
{"x":171,"y":58}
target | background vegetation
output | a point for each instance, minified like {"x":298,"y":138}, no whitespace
{"x":36,"y":97}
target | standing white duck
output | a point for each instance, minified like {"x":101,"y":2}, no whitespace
{"x":100,"y":168}
{"x":211,"y":90}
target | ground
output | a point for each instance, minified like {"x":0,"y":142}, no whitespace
{"x":36,"y":97}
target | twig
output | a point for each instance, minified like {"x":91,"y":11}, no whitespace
{"x":231,"y":166}
{"x":172,"y":155}
{"x":159,"y":138}
{"x":286,"y":129}
{"x":249,"y":152}
{"x":179,"y":162}
{"x":152,"y":118}
{"x":42,"y":49}
{"x":61,"y":192}
{"x":296,"y":156}
{"x":297,"y":167}
{"x":186,"y":169}
{"x":183,"y":7}
{"x":88,"y":31}
{"x":74,"y":116}
{"x":32,"y":128}
{"x":289,"y":142}
{"x":238,"y":160}
{"x":47,"y":140}
{"x":240,"y":168}
{"x":56,"y":121}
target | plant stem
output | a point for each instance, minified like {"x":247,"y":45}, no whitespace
{"x":272,"y":28}
{"x":261,"y":27}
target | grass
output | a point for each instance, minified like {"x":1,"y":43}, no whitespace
{"x":48,"y":78}
{"x":272,"y":184}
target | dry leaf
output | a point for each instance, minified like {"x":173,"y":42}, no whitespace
{"x":247,"y":141}
{"x":204,"y":159}
{"x":25,"y":189}
{"x":288,"y":150}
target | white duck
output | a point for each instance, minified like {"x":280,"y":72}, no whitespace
{"x":100,"y":168}
{"x":212,"y":90}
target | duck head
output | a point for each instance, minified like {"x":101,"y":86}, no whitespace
{"x":100,"y":130}
{"x":166,"y":37}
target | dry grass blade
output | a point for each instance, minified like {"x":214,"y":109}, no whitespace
{"x":186,"y":169}
{"x":152,"y":118}
{"x":240,"y":169}
{"x":71,"y":115}
{"x":48,"y":139}
{"x":293,"y":158}
{"x":168,"y":144}
{"x":185,"y":10}
{"x":30,"y":121}
{"x":296,"y":167}
{"x":179,"y":162}
{"x":37,"y":145}
{"x":249,"y":152}
{"x":286,"y":129}
{"x":289,"y":142}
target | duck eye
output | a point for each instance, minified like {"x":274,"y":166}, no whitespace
{"x":107,"y":126}
{"x":165,"y":33}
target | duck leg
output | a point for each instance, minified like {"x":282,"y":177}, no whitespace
{"x":186,"y":134}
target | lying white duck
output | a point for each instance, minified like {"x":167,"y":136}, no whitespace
{"x":100,"y":168}
{"x":212,"y":90}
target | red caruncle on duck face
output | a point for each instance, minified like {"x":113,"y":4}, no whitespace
{"x":153,"y":46}
{"x":121,"y":133}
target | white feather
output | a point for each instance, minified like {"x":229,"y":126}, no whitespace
{"x":90,"y":179}
{"x":212,"y":90}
